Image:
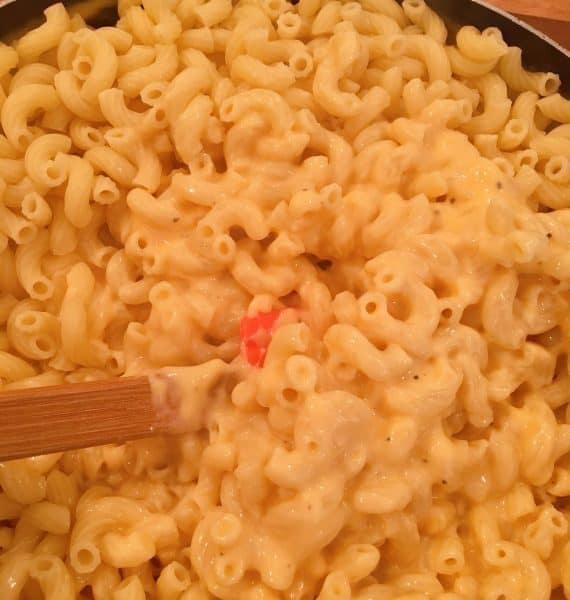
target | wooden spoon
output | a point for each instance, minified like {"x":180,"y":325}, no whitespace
{"x":65,"y":417}
{"x":170,"y":400}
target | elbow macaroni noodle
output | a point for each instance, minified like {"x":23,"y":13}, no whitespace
{"x":402,"y":197}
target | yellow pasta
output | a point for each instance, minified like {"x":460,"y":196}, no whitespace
{"x":344,"y":231}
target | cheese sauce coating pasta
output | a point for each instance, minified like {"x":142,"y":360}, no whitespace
{"x":384,"y":211}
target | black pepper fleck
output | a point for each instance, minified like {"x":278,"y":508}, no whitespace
{"x":444,"y":481}
{"x":499,"y":185}
{"x":416,"y":376}
{"x":388,"y":439}
{"x":176,"y":219}
{"x":548,"y":235}
{"x":324,"y":265}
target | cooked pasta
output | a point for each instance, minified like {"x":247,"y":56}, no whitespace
{"x":345,"y":232}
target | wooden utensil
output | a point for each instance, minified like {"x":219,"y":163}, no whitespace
{"x":64,"y":417}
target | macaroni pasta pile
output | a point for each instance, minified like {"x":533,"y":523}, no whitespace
{"x":392,"y":201}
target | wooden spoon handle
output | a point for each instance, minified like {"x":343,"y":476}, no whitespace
{"x":64,"y":417}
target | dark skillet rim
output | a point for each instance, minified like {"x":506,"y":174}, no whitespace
{"x":16,"y":14}
{"x":540,"y":52}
